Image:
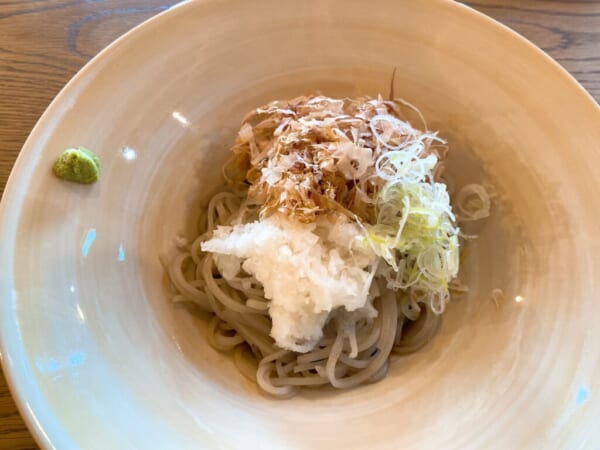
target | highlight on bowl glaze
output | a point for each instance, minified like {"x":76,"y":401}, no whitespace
{"x":99,"y":359}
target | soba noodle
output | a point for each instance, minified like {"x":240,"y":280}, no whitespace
{"x":351,"y":351}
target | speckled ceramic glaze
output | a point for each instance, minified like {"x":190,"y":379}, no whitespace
{"x":99,"y":359}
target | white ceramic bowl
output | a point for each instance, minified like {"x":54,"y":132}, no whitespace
{"x":99,"y":359}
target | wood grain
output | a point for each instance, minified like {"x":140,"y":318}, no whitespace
{"x":43,"y":43}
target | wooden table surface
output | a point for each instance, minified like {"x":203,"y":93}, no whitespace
{"x":44,"y":42}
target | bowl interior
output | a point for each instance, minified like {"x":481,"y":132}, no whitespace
{"x":101,"y":359}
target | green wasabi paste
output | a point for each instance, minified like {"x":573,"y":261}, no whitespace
{"x":78,"y":165}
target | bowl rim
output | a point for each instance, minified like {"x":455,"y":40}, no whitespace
{"x":15,"y":379}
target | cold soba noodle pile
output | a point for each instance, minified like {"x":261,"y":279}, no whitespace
{"x":333,"y":245}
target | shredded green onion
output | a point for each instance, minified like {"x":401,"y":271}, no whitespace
{"x":415,"y":231}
